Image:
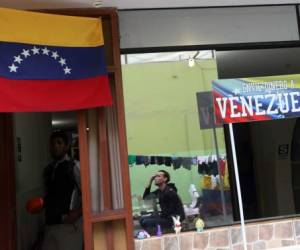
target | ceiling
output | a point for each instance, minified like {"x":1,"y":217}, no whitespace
{"x":133,"y":4}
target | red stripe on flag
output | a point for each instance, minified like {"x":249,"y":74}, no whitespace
{"x":53,"y":95}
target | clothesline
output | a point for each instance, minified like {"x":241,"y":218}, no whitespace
{"x":174,"y":161}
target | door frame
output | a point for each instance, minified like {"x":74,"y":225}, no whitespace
{"x":110,"y":216}
{"x":7,"y":184}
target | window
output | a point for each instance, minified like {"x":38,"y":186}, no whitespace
{"x":166,"y":94}
{"x":268,"y":151}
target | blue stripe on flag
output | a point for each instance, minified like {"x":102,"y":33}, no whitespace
{"x":36,"y":62}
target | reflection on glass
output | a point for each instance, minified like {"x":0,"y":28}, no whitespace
{"x":163,"y":133}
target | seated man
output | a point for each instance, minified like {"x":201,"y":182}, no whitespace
{"x":169,"y":201}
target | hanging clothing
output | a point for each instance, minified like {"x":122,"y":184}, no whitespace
{"x":177,"y":161}
{"x":160,"y":160}
{"x":222,"y":167}
{"x":194,"y":161}
{"x":187,"y":162}
{"x":213,"y":168}
{"x":226,"y":177}
{"x":140,"y":160}
{"x":203,"y":168}
{"x":131,"y":159}
{"x":147,"y":161}
{"x":168,"y":161}
{"x":206,"y":182}
{"x":152,"y":160}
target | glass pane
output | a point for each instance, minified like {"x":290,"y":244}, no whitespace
{"x":267,"y":151}
{"x":97,"y":169}
{"x":164,"y":133}
{"x":94,"y":161}
{"x":114,"y":156}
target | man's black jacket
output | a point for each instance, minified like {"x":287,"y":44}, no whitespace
{"x":169,"y":201}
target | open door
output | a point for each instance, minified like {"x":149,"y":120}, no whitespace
{"x":107,"y":214}
{"x":7,"y":185}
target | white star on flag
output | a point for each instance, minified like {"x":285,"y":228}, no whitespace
{"x":62,"y":61}
{"x":35,"y":50}
{"x":13,"y":68}
{"x":45,"y":51}
{"x":25,"y":53}
{"x":55,"y":55}
{"x":67,"y":70}
{"x":18,"y":59}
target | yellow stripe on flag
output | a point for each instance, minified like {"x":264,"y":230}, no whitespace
{"x":47,"y":29}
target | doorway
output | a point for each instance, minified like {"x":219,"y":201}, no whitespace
{"x":7,"y":189}
{"x":23,"y":167}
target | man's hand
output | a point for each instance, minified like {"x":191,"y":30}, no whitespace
{"x":72,"y":216}
{"x":151,"y":180}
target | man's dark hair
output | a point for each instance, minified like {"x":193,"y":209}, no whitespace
{"x":166,"y":175}
{"x":59,"y":134}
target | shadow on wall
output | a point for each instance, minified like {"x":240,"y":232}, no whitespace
{"x":272,"y":166}
{"x":295,"y":164}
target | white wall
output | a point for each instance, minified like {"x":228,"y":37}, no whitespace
{"x":33,"y":129}
{"x":273,"y":175}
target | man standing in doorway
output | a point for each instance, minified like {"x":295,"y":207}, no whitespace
{"x":63,"y":210}
{"x":169,"y":201}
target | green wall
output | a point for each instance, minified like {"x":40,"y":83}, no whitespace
{"x":162,"y":117}
{"x":182,"y":177}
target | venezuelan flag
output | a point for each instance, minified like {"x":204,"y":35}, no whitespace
{"x":51,"y":62}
